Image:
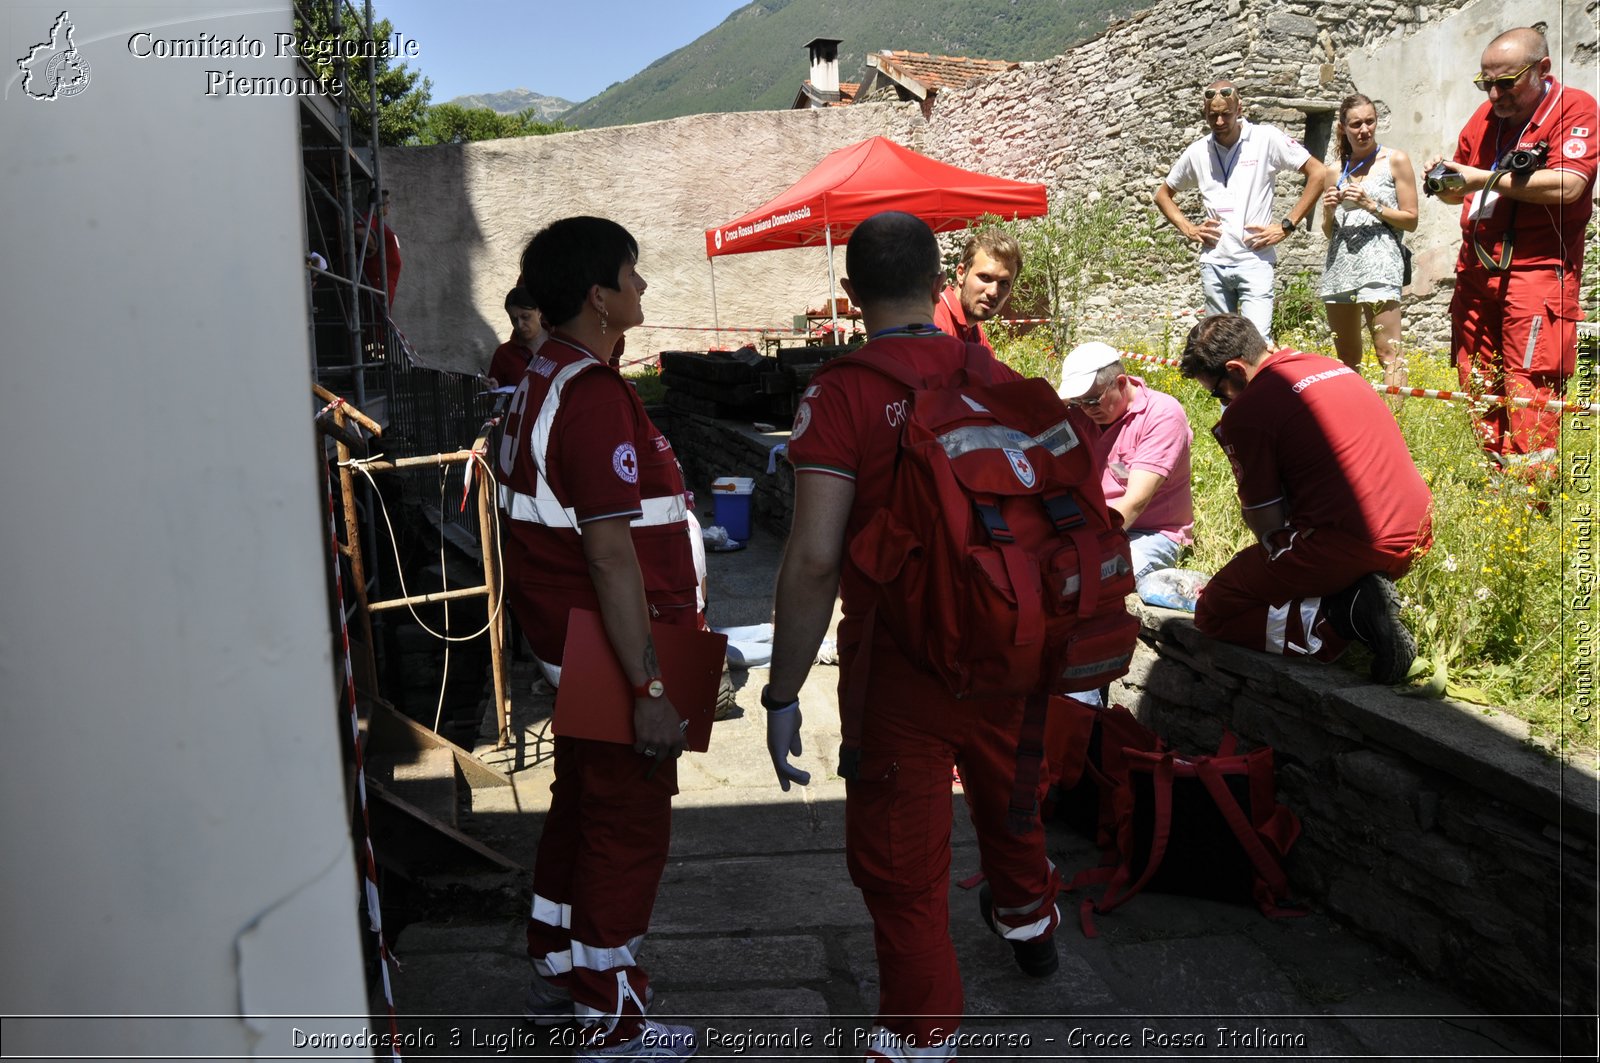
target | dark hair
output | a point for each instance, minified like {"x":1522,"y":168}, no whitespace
{"x":1216,"y":341}
{"x":892,"y":255}
{"x":522,"y":298}
{"x":998,"y":245}
{"x":567,"y":258}
{"x":1346,"y":105}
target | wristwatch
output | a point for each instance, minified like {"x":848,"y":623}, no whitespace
{"x":1288,"y":225}
{"x":650,"y":688}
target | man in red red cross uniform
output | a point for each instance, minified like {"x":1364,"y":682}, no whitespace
{"x":988,"y":268}
{"x":1329,"y":489}
{"x":897,"y":798}
{"x":1527,"y":163}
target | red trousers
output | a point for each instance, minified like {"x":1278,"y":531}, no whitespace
{"x":1517,"y":330}
{"x":594,"y":884}
{"x":1276,"y":606}
{"x":897,"y":836}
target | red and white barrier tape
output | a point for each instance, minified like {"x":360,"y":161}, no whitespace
{"x":1554,"y":405}
{"x":405,"y":344}
{"x":370,"y":871}
{"x":786,"y":329}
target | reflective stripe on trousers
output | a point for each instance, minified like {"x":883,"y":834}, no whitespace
{"x":1036,"y":928}
{"x":881,"y":1044}
{"x":1278,"y":628}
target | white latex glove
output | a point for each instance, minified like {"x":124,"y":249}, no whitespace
{"x":783,"y":739}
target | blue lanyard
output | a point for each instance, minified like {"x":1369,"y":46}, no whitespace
{"x":1227,"y":170}
{"x":917,"y":329}
{"x":1352,"y":167}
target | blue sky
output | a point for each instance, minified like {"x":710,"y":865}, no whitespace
{"x":571,"y":49}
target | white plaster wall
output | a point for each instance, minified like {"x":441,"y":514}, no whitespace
{"x":464,"y":213}
{"x":174,"y":832}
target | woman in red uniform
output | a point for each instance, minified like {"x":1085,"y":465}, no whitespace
{"x":596,"y":519}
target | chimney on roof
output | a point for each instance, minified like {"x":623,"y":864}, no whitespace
{"x":824,"y":52}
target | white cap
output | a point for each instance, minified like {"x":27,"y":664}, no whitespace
{"x":1081,"y":364}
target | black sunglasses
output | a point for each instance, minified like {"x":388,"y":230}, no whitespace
{"x":1226,"y":93}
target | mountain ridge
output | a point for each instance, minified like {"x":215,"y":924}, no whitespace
{"x":515,"y":101}
{"x":755,"y":59}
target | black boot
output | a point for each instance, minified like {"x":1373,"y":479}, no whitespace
{"x":1037,"y":958}
{"x":1368,"y":611}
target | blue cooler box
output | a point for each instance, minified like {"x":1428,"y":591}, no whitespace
{"x":731,"y":504}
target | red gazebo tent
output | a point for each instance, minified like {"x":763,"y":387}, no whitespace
{"x":852,"y":184}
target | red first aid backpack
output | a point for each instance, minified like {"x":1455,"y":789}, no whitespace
{"x":997,"y":563}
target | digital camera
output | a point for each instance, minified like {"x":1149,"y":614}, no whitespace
{"x":1442,"y":179}
{"x":1526,"y":160}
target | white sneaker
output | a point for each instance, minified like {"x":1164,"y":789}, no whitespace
{"x":545,"y":1005}
{"x":655,"y":1041}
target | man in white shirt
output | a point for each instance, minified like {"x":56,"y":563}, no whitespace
{"x":1234,"y":168}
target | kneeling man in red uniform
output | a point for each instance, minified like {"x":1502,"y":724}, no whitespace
{"x":1330,"y":491}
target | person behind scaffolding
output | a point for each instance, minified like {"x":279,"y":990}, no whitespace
{"x":596,"y":519}
{"x":380,"y":247}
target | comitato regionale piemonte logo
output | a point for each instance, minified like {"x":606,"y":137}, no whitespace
{"x":55,"y":69}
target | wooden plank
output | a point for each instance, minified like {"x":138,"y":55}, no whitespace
{"x":444,"y":830}
{"x":389,"y":729}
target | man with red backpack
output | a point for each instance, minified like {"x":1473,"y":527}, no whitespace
{"x":900,"y":748}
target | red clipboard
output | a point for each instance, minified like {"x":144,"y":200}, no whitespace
{"x":595,"y":700}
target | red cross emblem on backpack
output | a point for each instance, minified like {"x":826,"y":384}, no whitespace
{"x":1022,"y":467}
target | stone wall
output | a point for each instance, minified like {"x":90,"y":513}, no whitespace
{"x":1437,"y":828}
{"x":709,"y":448}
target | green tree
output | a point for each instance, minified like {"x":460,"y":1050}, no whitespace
{"x":402,"y":101}
{"x":449,"y":123}
{"x":1064,"y":253}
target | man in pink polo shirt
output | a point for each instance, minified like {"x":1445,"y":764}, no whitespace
{"x":1142,"y":452}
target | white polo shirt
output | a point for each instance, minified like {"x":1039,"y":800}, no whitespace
{"x":1236,"y":184}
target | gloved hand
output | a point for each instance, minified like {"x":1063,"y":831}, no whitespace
{"x":783,"y":739}
{"x":1279,"y":541}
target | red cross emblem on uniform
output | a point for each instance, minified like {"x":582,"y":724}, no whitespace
{"x":625,"y":463}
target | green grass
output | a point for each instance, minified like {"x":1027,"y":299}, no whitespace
{"x":1500,"y":605}
{"x":646,"y":380}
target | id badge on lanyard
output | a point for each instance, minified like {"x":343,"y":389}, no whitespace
{"x":1481,"y":205}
